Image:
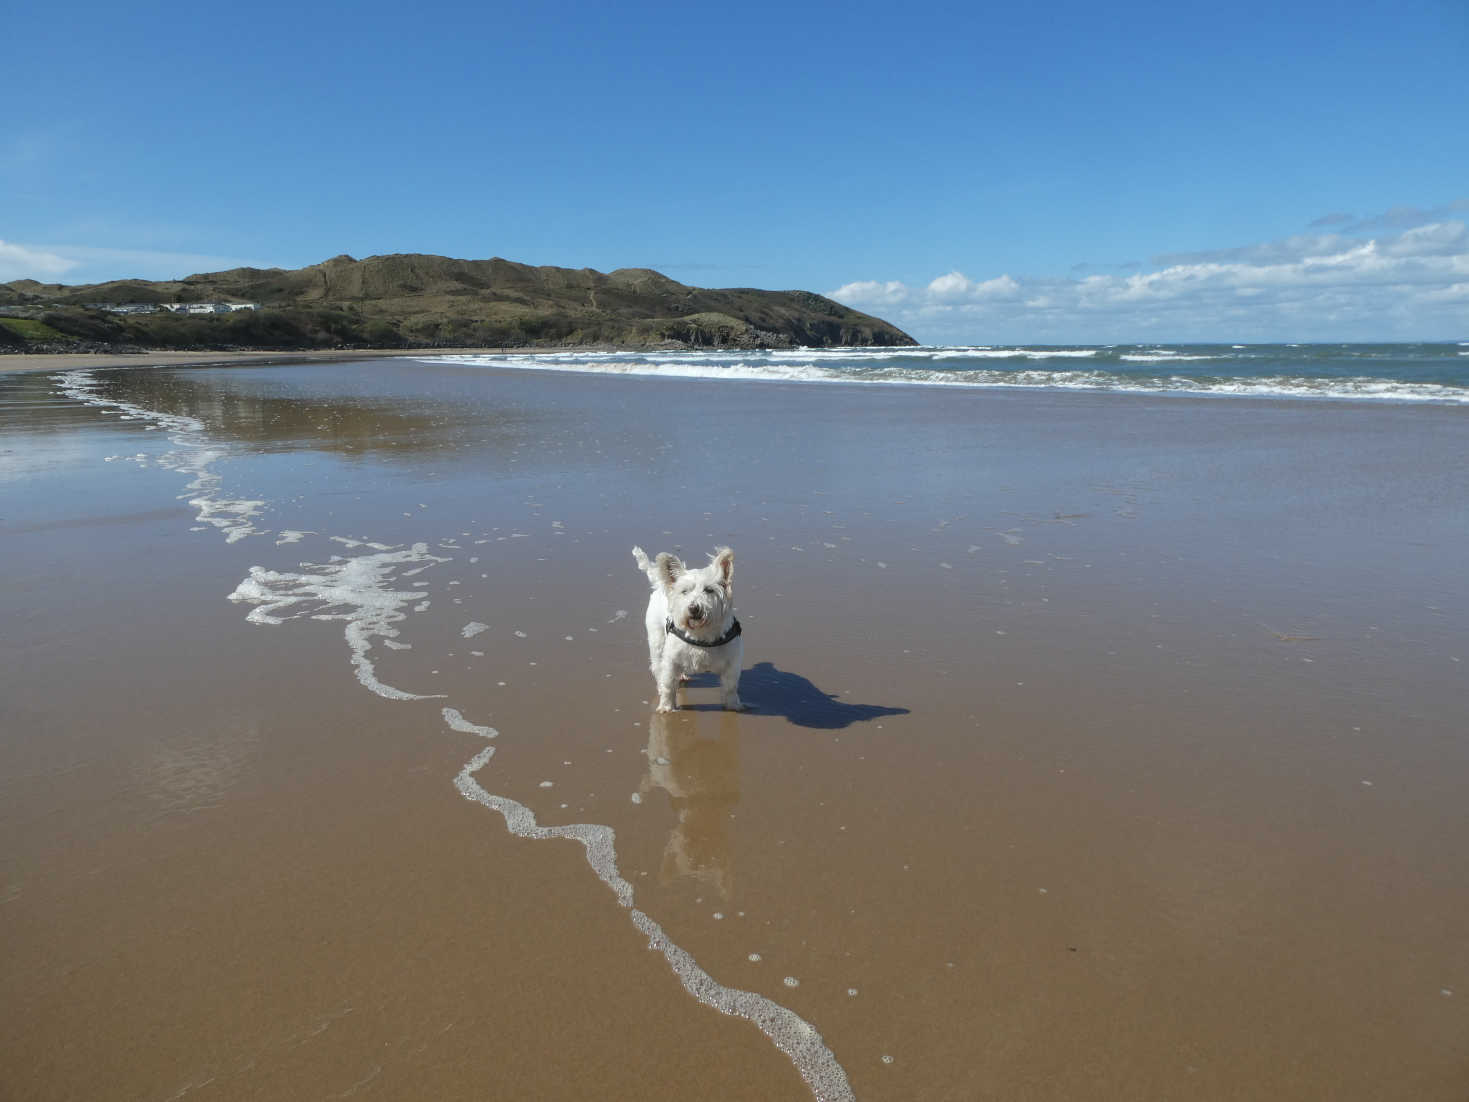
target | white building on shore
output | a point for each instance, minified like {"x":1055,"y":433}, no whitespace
{"x":209,"y":307}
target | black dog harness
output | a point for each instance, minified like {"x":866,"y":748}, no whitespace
{"x":723,"y":639}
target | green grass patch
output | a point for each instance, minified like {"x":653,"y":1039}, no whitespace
{"x":31,"y":330}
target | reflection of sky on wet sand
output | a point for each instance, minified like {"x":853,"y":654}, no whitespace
{"x":236,"y":407}
{"x":37,"y":427}
{"x":37,"y":452}
{"x":389,"y":410}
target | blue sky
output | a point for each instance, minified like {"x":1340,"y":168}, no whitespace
{"x":974,"y":172}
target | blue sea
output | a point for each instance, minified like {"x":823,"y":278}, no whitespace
{"x":1434,"y":373}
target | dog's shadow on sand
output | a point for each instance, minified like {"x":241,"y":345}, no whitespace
{"x":774,"y":692}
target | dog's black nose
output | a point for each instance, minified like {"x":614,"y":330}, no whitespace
{"x":696,"y":612}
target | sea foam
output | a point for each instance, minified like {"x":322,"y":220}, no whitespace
{"x":354,"y":590}
{"x":1242,"y":373}
{"x":787,"y":1030}
{"x":194,"y":454}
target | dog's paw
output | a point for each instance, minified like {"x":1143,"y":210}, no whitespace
{"x":664,"y":709}
{"x":737,"y":706}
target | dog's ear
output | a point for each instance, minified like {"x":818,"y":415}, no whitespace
{"x":668,"y":567}
{"x":723,"y":560}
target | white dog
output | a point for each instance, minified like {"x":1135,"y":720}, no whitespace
{"x":691,"y":625}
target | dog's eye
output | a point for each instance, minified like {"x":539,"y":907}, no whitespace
{"x":709,"y":589}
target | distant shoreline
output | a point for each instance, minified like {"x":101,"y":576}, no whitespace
{"x":15,"y":363}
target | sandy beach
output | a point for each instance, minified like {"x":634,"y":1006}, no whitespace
{"x":1103,"y":746}
{"x":87,"y":361}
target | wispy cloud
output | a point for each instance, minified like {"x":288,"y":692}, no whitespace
{"x":22,"y":262}
{"x":1285,"y":251}
{"x":92,"y":264}
{"x":1398,"y":218}
{"x":1086,"y":267}
{"x":1325,"y":286}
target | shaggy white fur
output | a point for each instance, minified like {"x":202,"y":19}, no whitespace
{"x":689,"y":612}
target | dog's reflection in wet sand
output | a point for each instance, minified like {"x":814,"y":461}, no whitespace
{"x":701,"y":777}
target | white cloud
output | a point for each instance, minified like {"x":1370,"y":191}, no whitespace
{"x":1456,"y":293}
{"x":1407,"y":285}
{"x":1399,"y":218}
{"x":955,"y":287}
{"x":891,"y":293}
{"x":1435,"y":239}
{"x":951,"y":286}
{"x":1297,"y":247}
{"x":20,"y":262}
{"x":93,"y":264}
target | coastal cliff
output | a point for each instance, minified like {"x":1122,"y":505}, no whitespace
{"x":422,"y":301}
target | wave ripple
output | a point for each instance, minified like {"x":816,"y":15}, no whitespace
{"x":1422,"y":373}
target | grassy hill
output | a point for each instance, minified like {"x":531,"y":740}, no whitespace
{"x":422,"y":301}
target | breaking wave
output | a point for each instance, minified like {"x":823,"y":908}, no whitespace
{"x":1381,"y":373}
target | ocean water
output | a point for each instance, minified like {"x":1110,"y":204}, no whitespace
{"x":1437,"y":373}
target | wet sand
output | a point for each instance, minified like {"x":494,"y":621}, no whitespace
{"x":1103,"y":746}
{"x":87,"y":361}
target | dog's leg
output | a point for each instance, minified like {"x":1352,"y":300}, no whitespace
{"x":729,"y":685}
{"x":656,"y":637}
{"x":654,"y":620}
{"x":729,"y":679}
{"x":667,"y":678}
